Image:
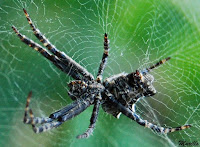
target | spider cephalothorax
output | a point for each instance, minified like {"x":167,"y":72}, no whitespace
{"x":117,"y":94}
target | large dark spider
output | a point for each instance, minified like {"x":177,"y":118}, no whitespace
{"x":117,"y":94}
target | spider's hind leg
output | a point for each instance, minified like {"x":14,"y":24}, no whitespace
{"x":37,"y":120}
{"x":48,"y":123}
{"x":54,"y":59}
{"x":130,"y":114}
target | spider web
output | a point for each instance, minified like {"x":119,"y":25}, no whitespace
{"x":140,"y":33}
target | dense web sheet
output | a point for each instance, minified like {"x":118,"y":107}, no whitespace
{"x":140,"y":33}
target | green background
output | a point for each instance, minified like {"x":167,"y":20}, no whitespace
{"x":140,"y":33}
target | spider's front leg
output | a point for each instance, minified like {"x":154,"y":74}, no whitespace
{"x":54,"y":59}
{"x":130,"y":114}
{"x":69,"y":62}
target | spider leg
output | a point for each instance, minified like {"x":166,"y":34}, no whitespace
{"x":93,"y":119}
{"x":57,"y":62}
{"x":48,"y":122}
{"x":104,"y":58}
{"x":158,"y":63}
{"x":61,"y":55}
{"x":130,"y":114}
{"x":36,"y":120}
{"x":55,"y":119}
{"x":64,"y":110}
{"x":84,"y":104}
{"x":60,"y":116}
{"x":43,"y":128}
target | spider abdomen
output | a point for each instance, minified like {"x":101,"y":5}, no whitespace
{"x":127,"y":89}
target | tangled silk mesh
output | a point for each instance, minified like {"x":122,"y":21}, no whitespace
{"x":140,"y":33}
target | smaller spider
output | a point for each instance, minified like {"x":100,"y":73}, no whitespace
{"x":117,"y":94}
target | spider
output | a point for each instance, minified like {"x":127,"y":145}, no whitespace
{"x":117,"y":94}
